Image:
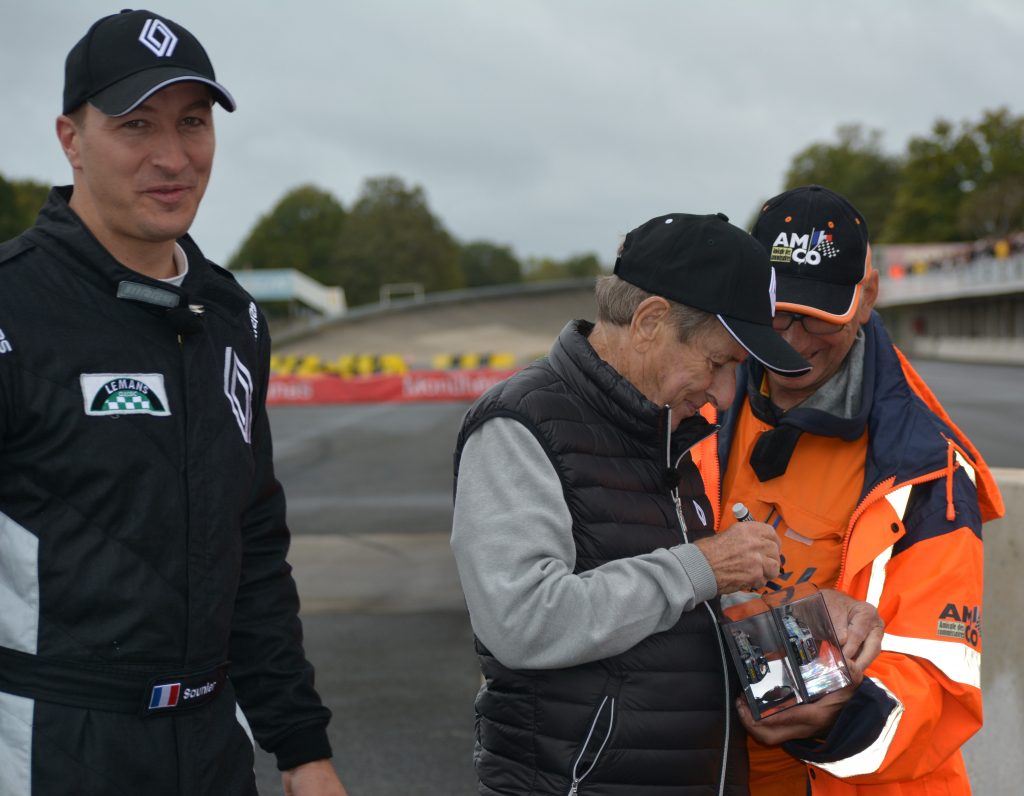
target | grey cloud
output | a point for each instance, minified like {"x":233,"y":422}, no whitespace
{"x":553,"y":127}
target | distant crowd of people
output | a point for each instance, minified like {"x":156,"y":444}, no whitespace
{"x":903,"y":261}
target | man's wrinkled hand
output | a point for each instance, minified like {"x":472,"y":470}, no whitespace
{"x":317,"y":778}
{"x":810,"y":720}
{"x":745,"y":556}
{"x":859,"y":630}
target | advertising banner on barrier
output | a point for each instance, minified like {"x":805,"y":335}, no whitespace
{"x":417,"y":385}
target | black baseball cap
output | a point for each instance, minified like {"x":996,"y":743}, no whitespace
{"x":819,"y":246}
{"x":709,"y":264}
{"x":125,"y":58}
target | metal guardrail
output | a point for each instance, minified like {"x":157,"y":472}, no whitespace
{"x":459,"y":296}
{"x":983,"y":277}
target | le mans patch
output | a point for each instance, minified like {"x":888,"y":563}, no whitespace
{"x":107,"y":394}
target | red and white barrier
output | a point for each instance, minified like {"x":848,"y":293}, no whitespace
{"x":417,"y":385}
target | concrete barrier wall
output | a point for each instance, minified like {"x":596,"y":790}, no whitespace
{"x":993,"y":756}
{"x":987,"y":350}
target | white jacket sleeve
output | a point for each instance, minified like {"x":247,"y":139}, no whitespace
{"x":512,"y":540}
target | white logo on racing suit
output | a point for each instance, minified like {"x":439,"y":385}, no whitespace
{"x":113,"y":394}
{"x":195,"y":693}
{"x":238,"y":389}
{"x":254,"y":319}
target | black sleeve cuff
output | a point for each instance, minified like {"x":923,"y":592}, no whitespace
{"x":302,"y":746}
{"x":859,"y":724}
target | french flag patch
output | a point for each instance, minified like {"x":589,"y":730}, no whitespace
{"x":164,"y":696}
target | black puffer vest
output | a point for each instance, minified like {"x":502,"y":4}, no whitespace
{"x":654,"y":719}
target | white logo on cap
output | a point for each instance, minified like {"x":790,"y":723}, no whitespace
{"x":159,"y":38}
{"x":771,"y":292}
{"x":804,"y":249}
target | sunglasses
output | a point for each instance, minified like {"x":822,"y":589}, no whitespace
{"x":812,"y":325}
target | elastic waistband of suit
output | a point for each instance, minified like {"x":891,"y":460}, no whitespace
{"x":111,"y":688}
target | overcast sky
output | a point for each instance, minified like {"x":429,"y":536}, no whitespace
{"x":554,"y":127}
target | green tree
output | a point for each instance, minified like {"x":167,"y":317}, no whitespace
{"x":938,"y":172}
{"x":546,"y":269}
{"x":485,"y":263}
{"x":300,"y":232}
{"x":957,"y":182}
{"x":9,"y":217}
{"x":994,"y":204}
{"x":20,"y":201}
{"x":391,"y":236}
{"x":856,"y":167}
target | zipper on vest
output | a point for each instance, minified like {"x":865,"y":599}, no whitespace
{"x":728,"y":700}
{"x":667,"y":415}
{"x":721,"y":654}
{"x":679,"y":514}
{"x":670,"y":465}
{"x":714,"y":620}
{"x":577,"y":776}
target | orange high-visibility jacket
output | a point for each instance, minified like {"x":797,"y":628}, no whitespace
{"x":912,"y":548}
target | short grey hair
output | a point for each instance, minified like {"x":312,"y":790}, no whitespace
{"x":618,"y":299}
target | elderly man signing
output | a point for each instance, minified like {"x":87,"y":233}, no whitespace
{"x":584,"y":538}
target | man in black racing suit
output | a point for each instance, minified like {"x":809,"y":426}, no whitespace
{"x":148,"y":616}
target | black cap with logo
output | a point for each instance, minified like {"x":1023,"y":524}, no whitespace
{"x":819,"y":246}
{"x":125,"y":58}
{"x":709,"y":264}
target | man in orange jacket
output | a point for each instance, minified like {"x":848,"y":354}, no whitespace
{"x":873,"y":491}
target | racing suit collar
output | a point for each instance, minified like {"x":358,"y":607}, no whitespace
{"x":61,"y":232}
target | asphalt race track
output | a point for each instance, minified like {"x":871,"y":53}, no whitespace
{"x":369,"y":494}
{"x":369,"y":491}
